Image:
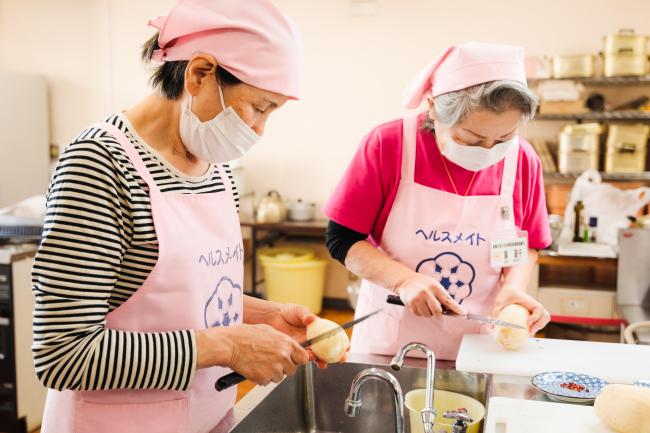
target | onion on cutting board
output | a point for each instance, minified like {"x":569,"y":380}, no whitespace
{"x":624,"y":408}
{"x":511,"y":338}
{"x":331,"y":349}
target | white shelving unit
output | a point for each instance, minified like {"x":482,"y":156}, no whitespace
{"x":24,"y":145}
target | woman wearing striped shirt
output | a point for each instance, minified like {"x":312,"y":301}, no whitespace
{"x":138,"y":280}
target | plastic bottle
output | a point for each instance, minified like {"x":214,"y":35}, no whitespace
{"x":593,"y":229}
{"x":577,"y":221}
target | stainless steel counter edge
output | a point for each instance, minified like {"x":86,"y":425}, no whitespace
{"x":254,"y":397}
{"x":498,"y":385}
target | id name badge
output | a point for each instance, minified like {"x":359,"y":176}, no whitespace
{"x":509,"y":251}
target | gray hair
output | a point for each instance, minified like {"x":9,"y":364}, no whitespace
{"x":496,"y":96}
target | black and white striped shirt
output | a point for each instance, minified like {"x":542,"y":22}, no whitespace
{"x":99,"y":245}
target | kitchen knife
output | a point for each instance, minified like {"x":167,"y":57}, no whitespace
{"x":233,"y":378}
{"x":396,"y":300}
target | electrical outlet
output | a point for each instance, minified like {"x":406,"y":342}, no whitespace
{"x":576,"y":304}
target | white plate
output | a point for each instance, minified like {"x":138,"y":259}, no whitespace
{"x":643,"y":383}
{"x":550,"y":383}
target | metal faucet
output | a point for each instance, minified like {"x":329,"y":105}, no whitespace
{"x":428,"y":412}
{"x":353,"y":402}
{"x":462,"y":419}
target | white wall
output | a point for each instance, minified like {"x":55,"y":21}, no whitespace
{"x":356,"y":68}
{"x":65,"y":42}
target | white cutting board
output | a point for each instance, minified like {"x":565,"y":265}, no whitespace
{"x":508,"y":415}
{"x":615,"y":363}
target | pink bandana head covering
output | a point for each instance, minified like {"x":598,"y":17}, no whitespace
{"x":465,"y":65}
{"x":251,"y":39}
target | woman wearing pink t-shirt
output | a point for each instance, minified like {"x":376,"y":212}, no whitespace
{"x":445,"y":208}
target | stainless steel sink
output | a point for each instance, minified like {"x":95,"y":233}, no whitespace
{"x":312,"y":401}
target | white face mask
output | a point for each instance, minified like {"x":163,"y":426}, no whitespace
{"x":476,"y":158}
{"x":221,"y":139}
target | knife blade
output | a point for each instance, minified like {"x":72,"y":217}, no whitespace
{"x":325,"y":335}
{"x":396,"y":300}
{"x":230,"y":379}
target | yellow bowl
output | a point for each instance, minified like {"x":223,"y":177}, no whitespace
{"x":443,"y":401}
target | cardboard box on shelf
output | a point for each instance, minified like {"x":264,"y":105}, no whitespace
{"x":542,"y":148}
{"x":562,"y":107}
{"x":578,"y":302}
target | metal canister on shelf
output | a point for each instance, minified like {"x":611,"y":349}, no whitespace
{"x":626,"y":148}
{"x":626,"y":41}
{"x":626,"y":65}
{"x":626,"y":54}
{"x":574,"y":66}
{"x":579,"y":148}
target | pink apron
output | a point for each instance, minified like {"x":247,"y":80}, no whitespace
{"x":443,"y":235}
{"x":196,"y":283}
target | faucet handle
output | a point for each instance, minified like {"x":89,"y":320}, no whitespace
{"x":459,"y":415}
{"x":462,"y":418}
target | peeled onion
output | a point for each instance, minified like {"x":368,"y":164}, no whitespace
{"x":512,"y":338}
{"x":331,"y":349}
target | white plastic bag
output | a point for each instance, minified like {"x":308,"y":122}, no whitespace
{"x":609,"y":204}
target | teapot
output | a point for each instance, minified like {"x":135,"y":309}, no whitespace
{"x":271,"y":209}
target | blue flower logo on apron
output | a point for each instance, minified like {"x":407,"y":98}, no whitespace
{"x":453,"y":273}
{"x":223,"y":305}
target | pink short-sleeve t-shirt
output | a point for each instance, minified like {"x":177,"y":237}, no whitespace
{"x":364,"y":197}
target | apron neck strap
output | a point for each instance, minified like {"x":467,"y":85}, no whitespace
{"x":510,"y":171}
{"x":409,"y":146}
{"x":131,"y":152}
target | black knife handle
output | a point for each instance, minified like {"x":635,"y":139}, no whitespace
{"x":395,"y":300}
{"x":230,"y":379}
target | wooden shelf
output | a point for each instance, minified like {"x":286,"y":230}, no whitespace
{"x":604,"y":116}
{"x":609,"y":177}
{"x":547,"y":257}
{"x":600,"y":81}
{"x":313,"y":227}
